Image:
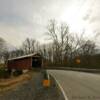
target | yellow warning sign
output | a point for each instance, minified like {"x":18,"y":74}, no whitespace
{"x":78,"y":61}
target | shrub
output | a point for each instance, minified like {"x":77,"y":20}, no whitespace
{"x":17,"y":72}
{"x":4,"y":73}
{"x":1,"y":65}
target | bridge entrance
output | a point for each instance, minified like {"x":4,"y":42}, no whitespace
{"x":36,"y":62}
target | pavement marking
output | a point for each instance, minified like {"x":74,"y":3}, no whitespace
{"x":63,"y":92}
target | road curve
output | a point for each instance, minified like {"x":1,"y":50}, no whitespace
{"x":78,"y":85}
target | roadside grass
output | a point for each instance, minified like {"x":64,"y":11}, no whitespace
{"x":6,"y":84}
{"x":10,"y":79}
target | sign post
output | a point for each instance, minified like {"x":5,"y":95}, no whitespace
{"x":46,"y":79}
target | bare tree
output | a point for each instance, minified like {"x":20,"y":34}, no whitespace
{"x":4,"y":54}
{"x":3,"y":46}
{"x":53,"y":35}
{"x":16,"y":53}
{"x":64,"y":33}
{"x":28,"y":46}
{"x":67,"y":46}
{"x":59,"y":34}
{"x":87,"y":48}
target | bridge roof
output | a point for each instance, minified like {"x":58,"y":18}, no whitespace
{"x":25,"y":56}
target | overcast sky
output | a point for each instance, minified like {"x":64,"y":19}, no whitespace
{"x":28,"y":18}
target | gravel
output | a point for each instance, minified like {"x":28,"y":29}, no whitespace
{"x":34,"y":90}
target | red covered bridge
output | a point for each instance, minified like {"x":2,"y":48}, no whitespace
{"x":25,"y":62}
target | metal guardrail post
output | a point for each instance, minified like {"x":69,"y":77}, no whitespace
{"x":46,"y":79}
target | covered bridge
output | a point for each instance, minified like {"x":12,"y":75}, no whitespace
{"x":25,"y":62}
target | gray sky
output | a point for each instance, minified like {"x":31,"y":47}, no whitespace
{"x":28,"y":18}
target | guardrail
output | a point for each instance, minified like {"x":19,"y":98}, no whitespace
{"x":75,"y":69}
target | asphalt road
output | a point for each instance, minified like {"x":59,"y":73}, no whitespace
{"x":78,"y":85}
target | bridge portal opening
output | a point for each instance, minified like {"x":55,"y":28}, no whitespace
{"x":36,"y":62}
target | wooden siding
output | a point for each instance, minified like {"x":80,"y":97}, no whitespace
{"x":25,"y":63}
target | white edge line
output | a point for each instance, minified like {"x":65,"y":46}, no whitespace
{"x":66,"y":98}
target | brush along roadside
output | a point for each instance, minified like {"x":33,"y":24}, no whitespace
{"x":6,"y":84}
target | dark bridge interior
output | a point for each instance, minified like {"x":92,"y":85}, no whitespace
{"x":36,"y":62}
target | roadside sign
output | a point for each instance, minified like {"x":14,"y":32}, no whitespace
{"x":78,"y":61}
